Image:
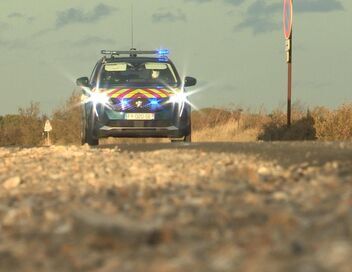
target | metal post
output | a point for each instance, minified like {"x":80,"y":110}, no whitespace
{"x":47,"y":138}
{"x":288,"y":21}
{"x":289,"y":81}
{"x":289,"y":87}
{"x":289,"y":91}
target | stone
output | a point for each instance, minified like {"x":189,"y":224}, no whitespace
{"x":12,"y":183}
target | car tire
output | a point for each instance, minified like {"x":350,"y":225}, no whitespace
{"x":185,"y":139}
{"x":90,"y":140}
{"x":188,"y":136}
{"x":87,"y":132}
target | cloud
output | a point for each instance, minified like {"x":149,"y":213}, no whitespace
{"x":172,"y":16}
{"x":94,"y":40}
{"x":262,"y":17}
{"x":232,"y":2}
{"x":258,"y":25}
{"x":199,"y":1}
{"x":75,"y":15}
{"x":259,"y":17}
{"x":317,"y":6}
{"x":169,"y":16}
{"x":30,"y":19}
{"x":18,"y":15}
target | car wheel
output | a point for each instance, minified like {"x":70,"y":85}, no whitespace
{"x":188,"y":136}
{"x":91,"y":140}
{"x":87,"y":131}
{"x":185,"y":139}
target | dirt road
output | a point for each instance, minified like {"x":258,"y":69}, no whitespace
{"x":160,"y":207}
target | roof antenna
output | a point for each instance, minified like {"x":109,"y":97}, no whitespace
{"x":132,"y":26}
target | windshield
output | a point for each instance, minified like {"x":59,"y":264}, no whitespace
{"x":146,"y":73}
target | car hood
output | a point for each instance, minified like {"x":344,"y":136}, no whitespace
{"x":135,"y":93}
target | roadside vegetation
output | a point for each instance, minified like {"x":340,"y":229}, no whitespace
{"x":319,"y":123}
{"x":24,"y":128}
{"x":210,"y":124}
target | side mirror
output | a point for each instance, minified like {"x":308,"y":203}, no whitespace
{"x":82,"y":82}
{"x":190,"y":81}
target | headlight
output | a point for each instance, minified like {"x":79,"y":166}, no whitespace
{"x":179,"y":98}
{"x":99,"y":98}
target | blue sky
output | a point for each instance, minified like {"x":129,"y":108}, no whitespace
{"x":235,"y":48}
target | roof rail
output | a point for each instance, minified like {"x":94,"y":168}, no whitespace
{"x":133,"y":52}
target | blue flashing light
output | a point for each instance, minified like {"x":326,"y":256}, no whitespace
{"x":163,"y":59}
{"x":125,"y":103}
{"x":154,"y":102}
{"x":163,"y":52}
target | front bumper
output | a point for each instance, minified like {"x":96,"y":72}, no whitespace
{"x":135,"y":132}
{"x":167,"y":124}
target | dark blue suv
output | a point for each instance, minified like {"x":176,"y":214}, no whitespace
{"x":133,"y":94}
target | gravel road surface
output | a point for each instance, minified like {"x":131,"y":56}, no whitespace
{"x":169,"y":208}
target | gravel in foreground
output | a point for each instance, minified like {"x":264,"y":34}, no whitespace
{"x":82,"y":209}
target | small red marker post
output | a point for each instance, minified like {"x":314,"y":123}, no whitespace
{"x":287,"y":22}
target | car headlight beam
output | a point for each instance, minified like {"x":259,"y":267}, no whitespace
{"x":96,"y":99}
{"x":99,"y":98}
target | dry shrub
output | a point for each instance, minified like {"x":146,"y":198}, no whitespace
{"x":334,"y":125}
{"x":66,"y":121}
{"x":212,"y":124}
{"x":32,"y":123}
{"x":302,"y":127}
{"x":254,"y":120}
{"x":10,"y":130}
{"x":24,"y":128}
{"x":213,"y":117}
{"x":224,"y":133}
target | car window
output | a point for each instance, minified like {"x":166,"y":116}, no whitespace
{"x":120,"y":73}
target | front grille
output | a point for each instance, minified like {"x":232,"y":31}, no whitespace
{"x":141,"y":105}
{"x":122,"y":123}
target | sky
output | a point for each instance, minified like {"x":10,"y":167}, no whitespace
{"x":235,"y":48}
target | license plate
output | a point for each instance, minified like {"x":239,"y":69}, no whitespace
{"x":140,"y":116}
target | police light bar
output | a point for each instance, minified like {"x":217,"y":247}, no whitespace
{"x":133,"y":52}
{"x":163,"y":52}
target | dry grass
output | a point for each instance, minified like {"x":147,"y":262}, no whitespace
{"x":333,"y":125}
{"x":24,"y":128}
{"x":209,"y":125}
{"x":225,"y":133}
{"x":215,"y":125}
{"x":66,"y":121}
{"x":319,"y":124}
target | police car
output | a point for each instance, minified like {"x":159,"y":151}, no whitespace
{"x":135,"y":94}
